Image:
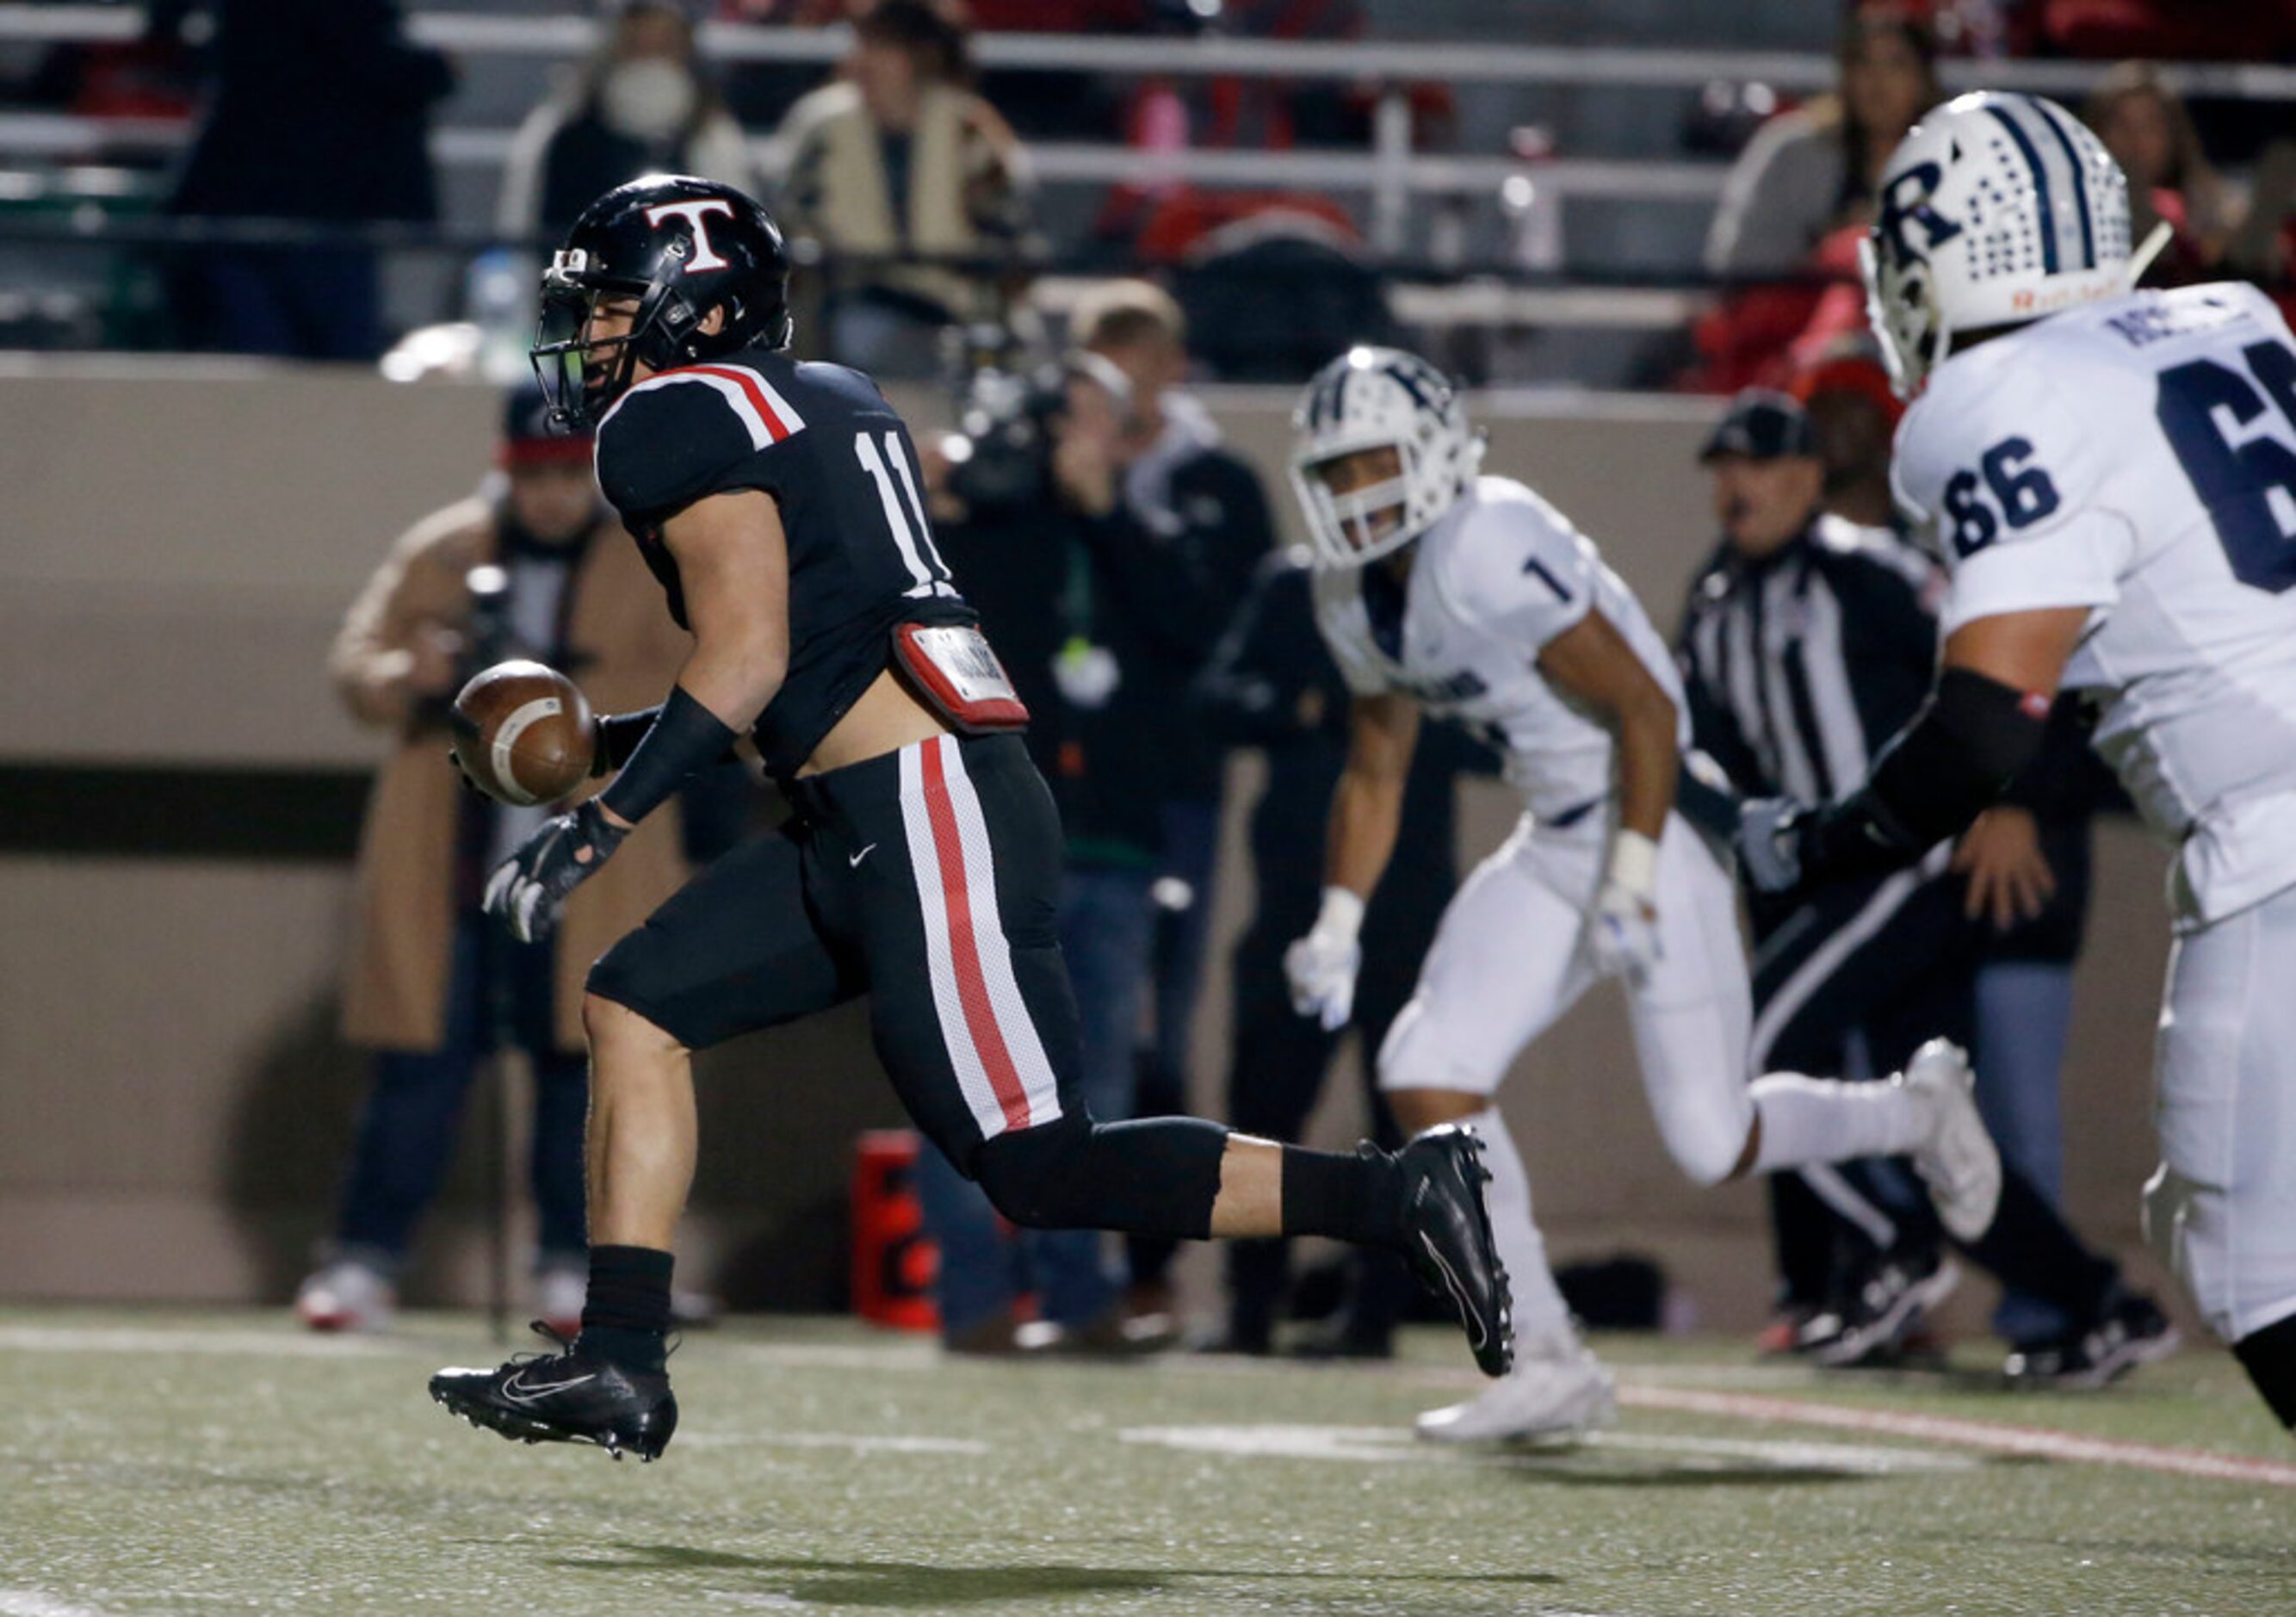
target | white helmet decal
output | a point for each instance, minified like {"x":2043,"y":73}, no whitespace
{"x":1995,"y":208}
{"x":1380,"y":399}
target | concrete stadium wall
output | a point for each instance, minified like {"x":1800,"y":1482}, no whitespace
{"x":177,"y":544}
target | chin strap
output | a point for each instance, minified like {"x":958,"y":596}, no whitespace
{"x":2154,"y":244}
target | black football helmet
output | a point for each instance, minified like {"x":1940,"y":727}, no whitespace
{"x":678,"y":247}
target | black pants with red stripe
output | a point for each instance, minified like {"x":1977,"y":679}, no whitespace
{"x":926,"y":878}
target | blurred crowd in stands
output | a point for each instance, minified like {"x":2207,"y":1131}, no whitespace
{"x":904,"y":172}
{"x":1801,"y":195}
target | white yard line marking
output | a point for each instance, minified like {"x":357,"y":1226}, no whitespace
{"x":31,"y":1603}
{"x":1993,"y":1437}
{"x":851,"y":1442}
{"x":1389,"y":1445}
{"x":272,"y":1344}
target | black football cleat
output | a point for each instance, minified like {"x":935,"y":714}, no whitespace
{"x":1446,"y":1233}
{"x":1874,"y":1327}
{"x":566,"y":1397}
{"x":2133,"y":1331}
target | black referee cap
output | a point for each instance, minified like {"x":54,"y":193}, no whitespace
{"x":1762,"y":424}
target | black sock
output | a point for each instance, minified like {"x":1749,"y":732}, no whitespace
{"x":626,"y":1314}
{"x":2028,"y":1246}
{"x":2269,"y":1357}
{"x":1356,"y":1198}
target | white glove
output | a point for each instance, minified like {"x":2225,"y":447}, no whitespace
{"x":1769,"y":846}
{"x":1622,"y":931}
{"x":1322,"y":965}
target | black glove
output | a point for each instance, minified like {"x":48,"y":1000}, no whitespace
{"x":528,"y":888}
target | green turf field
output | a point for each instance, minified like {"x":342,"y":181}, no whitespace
{"x":176,"y":1461}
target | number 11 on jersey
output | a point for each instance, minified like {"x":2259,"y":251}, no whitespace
{"x":916,"y":546}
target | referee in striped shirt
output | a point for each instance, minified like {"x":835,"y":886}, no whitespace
{"x":1808,"y":643}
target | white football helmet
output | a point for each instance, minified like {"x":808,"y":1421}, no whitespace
{"x":1995,"y":208}
{"x":1376,"y":398}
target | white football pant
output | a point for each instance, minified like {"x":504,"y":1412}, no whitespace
{"x":2221,"y":1211}
{"x":1510,"y":957}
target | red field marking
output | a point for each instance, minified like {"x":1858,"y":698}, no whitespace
{"x":1997,"y":1437}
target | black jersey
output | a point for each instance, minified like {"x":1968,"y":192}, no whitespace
{"x":822,"y":440}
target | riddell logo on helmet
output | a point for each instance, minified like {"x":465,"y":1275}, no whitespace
{"x":2028,"y":301}
{"x":693,"y":212}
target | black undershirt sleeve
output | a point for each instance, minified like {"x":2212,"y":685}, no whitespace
{"x":685,"y":737}
{"x":1944,"y":769}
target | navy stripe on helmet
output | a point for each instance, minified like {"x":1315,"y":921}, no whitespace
{"x":1327,"y":403}
{"x":2040,"y":187}
{"x":2055,"y":120}
{"x":1407,"y":376}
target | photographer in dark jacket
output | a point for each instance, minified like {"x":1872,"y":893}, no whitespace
{"x":1103,"y":536}
{"x":316,"y":112}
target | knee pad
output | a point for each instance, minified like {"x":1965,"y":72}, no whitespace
{"x":1153,"y":1177}
{"x":1705,"y":1141}
{"x":2183,"y":1221}
{"x":1413,"y":1057}
{"x":1039,"y":1178}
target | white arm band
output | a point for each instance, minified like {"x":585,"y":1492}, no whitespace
{"x":1342,"y":917}
{"x":1634,"y":864}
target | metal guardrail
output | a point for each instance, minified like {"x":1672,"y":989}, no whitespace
{"x":1420,"y":293}
{"x":64,"y":137}
{"x":1391,"y":172}
{"x":1371,"y":61}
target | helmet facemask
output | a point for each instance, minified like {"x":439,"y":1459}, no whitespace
{"x":581,"y":374}
{"x":1372,"y":517}
{"x":1901,"y":307}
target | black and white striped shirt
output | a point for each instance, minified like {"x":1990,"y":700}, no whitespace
{"x":1800,"y":665}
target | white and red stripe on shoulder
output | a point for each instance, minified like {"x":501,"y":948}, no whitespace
{"x":763,"y":412}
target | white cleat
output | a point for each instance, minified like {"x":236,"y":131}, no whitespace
{"x":1557,"y":1391}
{"x":345,"y":1296}
{"x":1958,"y":1160}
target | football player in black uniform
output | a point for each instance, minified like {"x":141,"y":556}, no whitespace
{"x":778,"y":504}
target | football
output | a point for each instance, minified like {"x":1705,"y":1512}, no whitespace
{"x":524,"y":732}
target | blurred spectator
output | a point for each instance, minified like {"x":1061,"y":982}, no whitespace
{"x":1808,"y":172}
{"x":641,"y":104}
{"x":1853,"y":419}
{"x":901,"y":159}
{"x":317,"y":113}
{"x":2252,"y":30}
{"x":1800,"y":197}
{"x":2144,"y":124}
{"x":1205,"y":508}
{"x":432,"y":988}
{"x":761,"y":93}
{"x":2264,"y":246}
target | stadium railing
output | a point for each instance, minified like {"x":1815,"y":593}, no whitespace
{"x":1392,"y":171}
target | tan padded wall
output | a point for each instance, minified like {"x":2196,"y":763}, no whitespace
{"x":178,"y":543}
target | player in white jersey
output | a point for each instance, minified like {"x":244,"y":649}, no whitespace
{"x":2110,"y":477}
{"x":1473,"y":599}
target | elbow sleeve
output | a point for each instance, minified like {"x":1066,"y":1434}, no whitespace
{"x":1942,"y":771}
